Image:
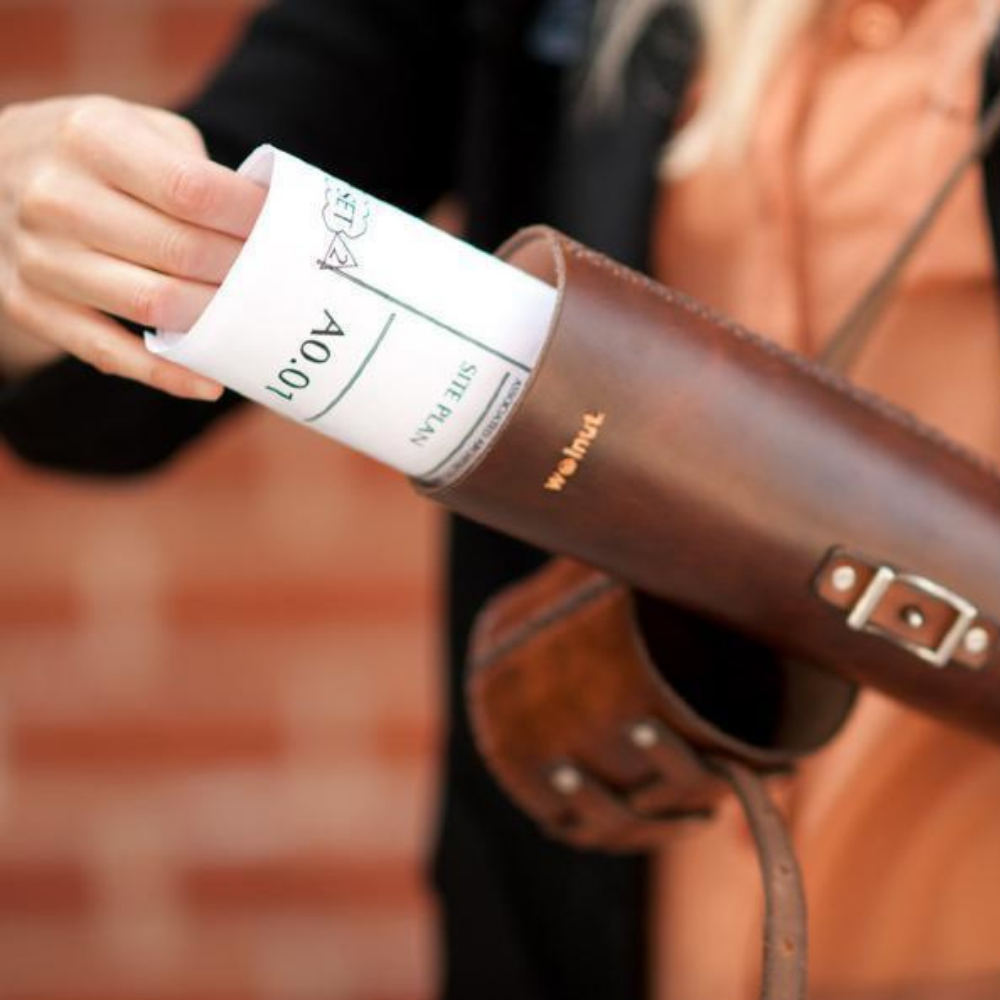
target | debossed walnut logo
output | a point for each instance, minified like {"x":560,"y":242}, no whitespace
{"x":345,"y":216}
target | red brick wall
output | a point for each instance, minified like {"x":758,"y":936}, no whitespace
{"x":216,"y":758}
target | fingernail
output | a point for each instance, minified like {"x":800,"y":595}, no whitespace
{"x":207,"y":391}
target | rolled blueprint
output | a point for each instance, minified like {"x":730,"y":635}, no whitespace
{"x":347,"y":315}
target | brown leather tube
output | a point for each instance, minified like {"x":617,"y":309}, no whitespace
{"x":699,"y":462}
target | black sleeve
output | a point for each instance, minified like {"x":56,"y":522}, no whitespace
{"x":69,"y":416}
{"x":367,"y":89}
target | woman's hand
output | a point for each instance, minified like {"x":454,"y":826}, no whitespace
{"x":109,"y":207}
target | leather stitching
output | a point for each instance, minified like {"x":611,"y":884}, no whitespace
{"x":829,"y":379}
{"x":588,"y":593}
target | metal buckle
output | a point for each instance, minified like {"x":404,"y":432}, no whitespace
{"x":965,"y":614}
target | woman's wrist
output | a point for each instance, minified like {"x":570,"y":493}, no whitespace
{"x":21,"y":354}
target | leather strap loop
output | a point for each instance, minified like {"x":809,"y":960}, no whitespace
{"x":595,"y":815}
{"x":936,"y":624}
{"x":679,"y":769}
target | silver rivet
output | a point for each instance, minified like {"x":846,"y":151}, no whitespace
{"x":644,"y":735}
{"x":913,"y":616}
{"x":844,"y":578}
{"x":566,"y":779}
{"x":977,"y":641}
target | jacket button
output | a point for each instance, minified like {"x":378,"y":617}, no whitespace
{"x":874,"y":25}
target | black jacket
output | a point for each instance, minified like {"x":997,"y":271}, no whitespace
{"x":409,"y":99}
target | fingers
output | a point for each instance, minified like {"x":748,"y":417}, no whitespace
{"x":176,"y":129}
{"x":118,"y":225}
{"x":146,"y":237}
{"x":100,"y":342}
{"x":177,"y":182}
{"x":84,"y":276}
{"x":107,"y":207}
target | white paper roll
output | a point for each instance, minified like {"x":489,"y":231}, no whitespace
{"x":370,"y":326}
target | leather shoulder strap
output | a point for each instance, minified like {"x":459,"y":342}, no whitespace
{"x":854,"y":330}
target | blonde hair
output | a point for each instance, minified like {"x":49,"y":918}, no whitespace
{"x":742,"y":43}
